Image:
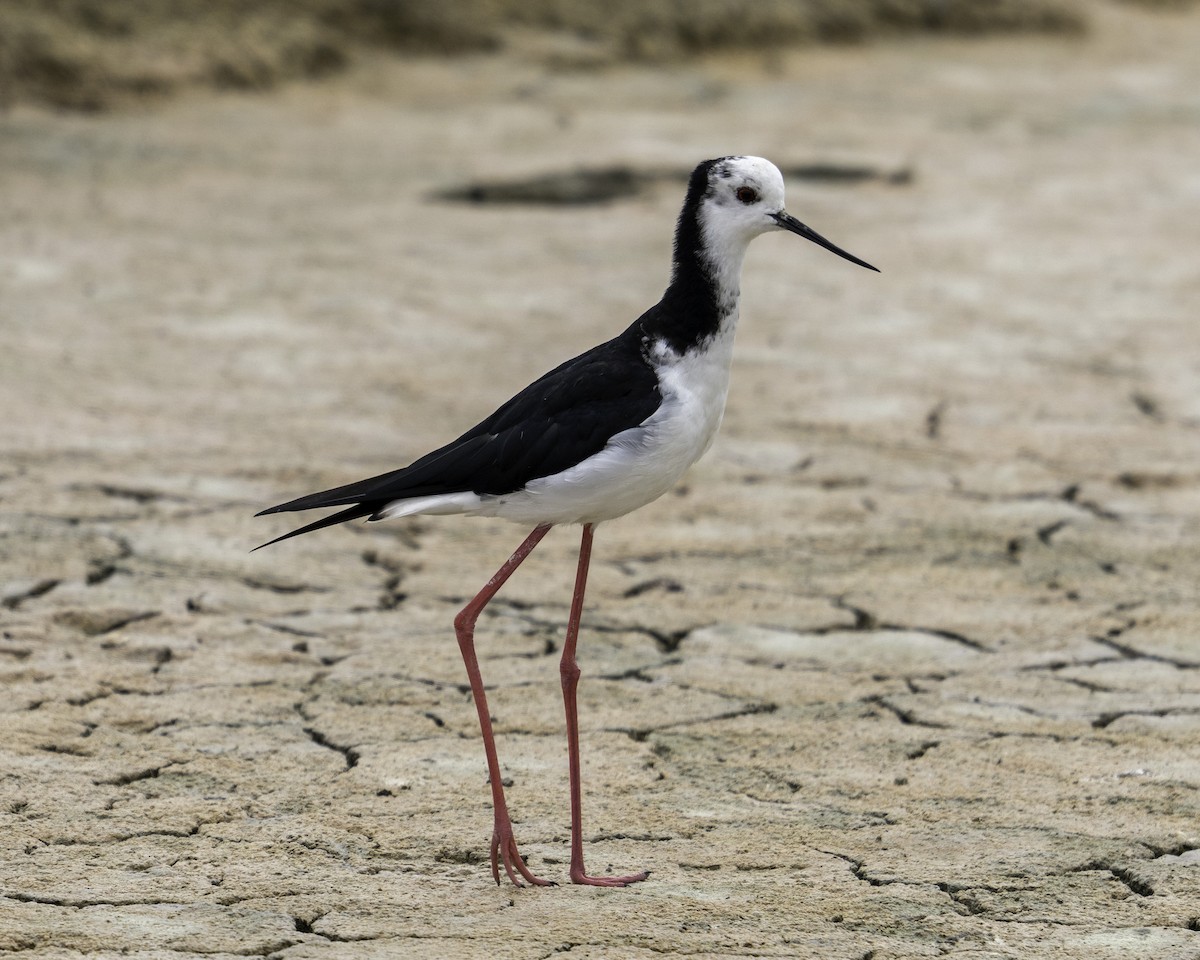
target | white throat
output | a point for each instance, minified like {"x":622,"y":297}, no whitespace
{"x":724,"y":253}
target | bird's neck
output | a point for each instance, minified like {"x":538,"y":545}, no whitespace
{"x":702,"y":299}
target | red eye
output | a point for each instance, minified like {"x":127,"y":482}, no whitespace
{"x":746,"y":194}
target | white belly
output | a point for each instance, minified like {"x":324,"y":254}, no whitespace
{"x":636,"y":467}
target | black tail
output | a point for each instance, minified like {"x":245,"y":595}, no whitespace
{"x":351,"y":513}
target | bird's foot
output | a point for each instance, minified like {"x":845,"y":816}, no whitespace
{"x":504,"y":847}
{"x":578,"y":876}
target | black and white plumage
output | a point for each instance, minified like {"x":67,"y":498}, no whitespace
{"x":598,"y":436}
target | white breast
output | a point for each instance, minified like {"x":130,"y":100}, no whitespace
{"x":694,"y":386}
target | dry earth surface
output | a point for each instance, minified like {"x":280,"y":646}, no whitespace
{"x":910,"y":666}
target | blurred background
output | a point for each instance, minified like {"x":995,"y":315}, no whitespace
{"x":90,"y":55}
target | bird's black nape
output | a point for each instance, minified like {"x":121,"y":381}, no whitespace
{"x":688,"y":241}
{"x":689,"y":310}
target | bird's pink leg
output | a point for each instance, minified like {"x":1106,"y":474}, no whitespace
{"x":504,"y":844}
{"x":569,"y":670}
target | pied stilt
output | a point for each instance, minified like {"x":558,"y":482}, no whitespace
{"x":595,"y":438}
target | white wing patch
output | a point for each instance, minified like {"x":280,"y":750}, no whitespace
{"x":442,"y":503}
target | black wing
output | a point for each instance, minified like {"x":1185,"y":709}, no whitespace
{"x":559,"y":420}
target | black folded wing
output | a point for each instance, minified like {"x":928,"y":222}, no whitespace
{"x":559,"y":420}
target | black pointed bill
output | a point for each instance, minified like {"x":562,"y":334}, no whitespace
{"x":788,"y":222}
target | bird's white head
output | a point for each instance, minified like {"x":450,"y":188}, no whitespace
{"x":737,"y":199}
{"x":740,"y":195}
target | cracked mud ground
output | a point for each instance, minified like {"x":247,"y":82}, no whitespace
{"x":909,"y":668}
